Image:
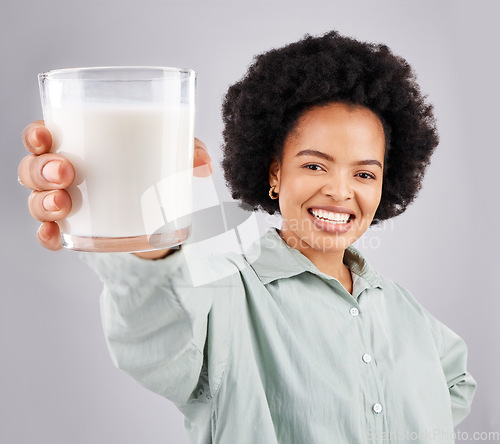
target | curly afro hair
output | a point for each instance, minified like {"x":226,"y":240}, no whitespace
{"x":262,"y":108}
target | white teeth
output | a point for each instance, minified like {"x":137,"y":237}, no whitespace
{"x":331,"y":217}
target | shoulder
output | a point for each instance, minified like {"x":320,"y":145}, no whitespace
{"x":397,"y":290}
{"x":404,"y":300}
{"x":400,"y":297}
{"x":394,"y":292}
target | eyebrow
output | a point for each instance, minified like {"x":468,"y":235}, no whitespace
{"x":331,"y":159}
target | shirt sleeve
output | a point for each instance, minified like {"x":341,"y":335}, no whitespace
{"x":155,"y":321}
{"x":453,"y":354}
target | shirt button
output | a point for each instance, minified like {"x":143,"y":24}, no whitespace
{"x":367,"y":358}
{"x":377,"y":408}
{"x":354,"y":311}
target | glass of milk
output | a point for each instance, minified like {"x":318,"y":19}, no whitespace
{"x":129,"y":132}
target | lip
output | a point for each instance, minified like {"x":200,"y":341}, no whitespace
{"x":329,"y":227}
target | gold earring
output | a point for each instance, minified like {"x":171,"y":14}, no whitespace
{"x":272,"y":194}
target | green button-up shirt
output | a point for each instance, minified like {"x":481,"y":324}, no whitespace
{"x":271,"y":350}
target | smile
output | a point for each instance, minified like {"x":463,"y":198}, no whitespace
{"x":328,"y":216}
{"x":332,"y":222}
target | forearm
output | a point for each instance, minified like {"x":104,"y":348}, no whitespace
{"x":462,"y":390}
{"x":155,"y":332}
{"x":453,"y":354}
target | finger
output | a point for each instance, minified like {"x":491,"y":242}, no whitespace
{"x":37,"y":138}
{"x":202,"y":162}
{"x":46,"y":172}
{"x":49,"y":236}
{"x":49,"y":206}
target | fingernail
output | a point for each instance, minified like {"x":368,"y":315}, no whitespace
{"x":50,"y":171}
{"x":49,"y":202}
{"x":42,"y":234}
{"x":33,"y":139}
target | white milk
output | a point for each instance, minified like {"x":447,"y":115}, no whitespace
{"x":133,"y":167}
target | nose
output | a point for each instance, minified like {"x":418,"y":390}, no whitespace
{"x":338,"y":188}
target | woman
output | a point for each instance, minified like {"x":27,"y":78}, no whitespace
{"x":301,"y":341}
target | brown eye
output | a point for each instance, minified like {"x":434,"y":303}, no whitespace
{"x":313,"y":167}
{"x":366,"y":176}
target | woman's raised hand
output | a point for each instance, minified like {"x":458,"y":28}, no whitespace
{"x":49,"y":174}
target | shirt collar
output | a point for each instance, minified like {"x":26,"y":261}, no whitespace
{"x":273,"y":259}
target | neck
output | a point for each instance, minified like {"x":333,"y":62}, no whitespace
{"x":328,"y":262}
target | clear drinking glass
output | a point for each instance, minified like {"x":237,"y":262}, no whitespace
{"x":129,"y":133}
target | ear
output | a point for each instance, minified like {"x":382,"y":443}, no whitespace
{"x":274,"y":174}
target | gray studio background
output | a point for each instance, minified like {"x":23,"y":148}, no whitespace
{"x":57,"y":382}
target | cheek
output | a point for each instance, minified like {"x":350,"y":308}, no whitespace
{"x":370,"y":200}
{"x":290,"y":187}
{"x":293,"y":194}
{"x":299,"y":189}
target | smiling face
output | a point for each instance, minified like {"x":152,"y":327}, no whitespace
{"x":329,"y":179}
